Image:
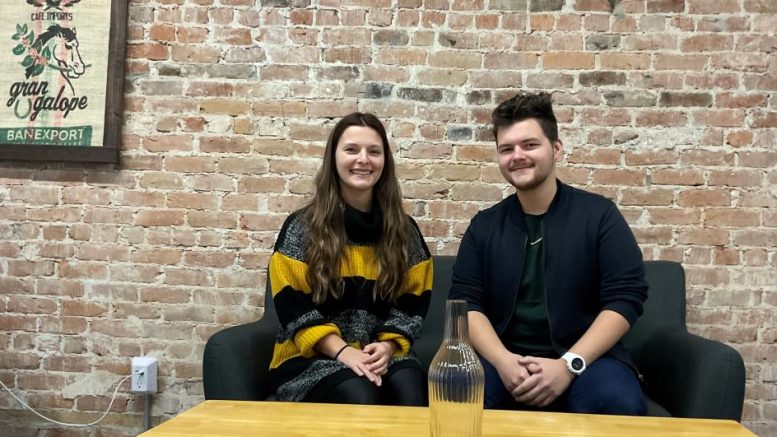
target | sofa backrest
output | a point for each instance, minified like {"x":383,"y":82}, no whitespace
{"x":665,"y":307}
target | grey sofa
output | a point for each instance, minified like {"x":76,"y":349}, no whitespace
{"x":684,"y":375}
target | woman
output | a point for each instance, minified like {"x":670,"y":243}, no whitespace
{"x":351,"y":280}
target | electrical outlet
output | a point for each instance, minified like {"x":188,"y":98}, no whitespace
{"x":144,"y":371}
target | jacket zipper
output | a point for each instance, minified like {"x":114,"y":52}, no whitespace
{"x":545,"y":288}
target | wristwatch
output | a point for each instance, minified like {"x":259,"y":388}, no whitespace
{"x":575,"y":363}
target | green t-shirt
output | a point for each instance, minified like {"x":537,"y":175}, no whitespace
{"x":529,"y":332}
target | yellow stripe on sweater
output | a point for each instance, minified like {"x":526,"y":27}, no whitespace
{"x":287,"y":271}
{"x":357,"y":261}
{"x":419,"y":278}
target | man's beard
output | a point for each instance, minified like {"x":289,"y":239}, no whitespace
{"x":538,"y":179}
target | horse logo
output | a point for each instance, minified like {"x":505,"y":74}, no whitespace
{"x":55,"y":4}
{"x":57,"y":42}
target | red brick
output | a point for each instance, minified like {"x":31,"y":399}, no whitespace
{"x":579,"y":176}
{"x":704,"y":197}
{"x":189,"y":164}
{"x":428,"y":151}
{"x":653,"y":235}
{"x":698,"y":256}
{"x":134,"y":273}
{"x":568,"y":60}
{"x":624,"y":61}
{"x":723,"y":256}
{"x":707,"y":80}
{"x":541,"y":22}
{"x":755,"y":257}
{"x":191,"y":35}
{"x":212,"y":182}
{"x":680,"y":62}
{"x":212,"y":219}
{"x":286,"y":167}
{"x":165,"y":295}
{"x":261,"y":222}
{"x":619,"y":177}
{"x":651,"y":157}
{"x":654,"y":6}
{"x":760,"y":6}
{"x":86,"y":309}
{"x":168,"y":256}
{"x":426,"y":190}
{"x":762,"y":119}
{"x":347,"y":55}
{"x":192,"y":200}
{"x":150,"y":51}
{"x":675,"y":216}
{"x":605,"y":117}
{"x":503,"y":61}
{"x":233,"y":36}
{"x":671,"y":254}
{"x":159,"y":218}
{"x":764,"y":160}
{"x":703,"y":237}
{"x":34,"y":194}
{"x":741,"y":138}
{"x":707,"y":158}
{"x":736,"y":100}
{"x":652,"y":197}
{"x":648,"y":42}
{"x":161,"y":180}
{"x":30,"y":268}
{"x":599,"y":156}
{"x":31,"y":305}
{"x":476,"y":191}
{"x":690,"y":177}
{"x":712,"y":7}
{"x":433,"y":228}
{"x":101,"y":403}
{"x":731,"y":217}
{"x":108,"y":252}
{"x":32,"y":381}
{"x":82,"y":269}
{"x":707,"y":43}
{"x":720,"y":118}
{"x":454,"y":173}
{"x":735,"y":178}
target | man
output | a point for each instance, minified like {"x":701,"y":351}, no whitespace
{"x":553,"y":277}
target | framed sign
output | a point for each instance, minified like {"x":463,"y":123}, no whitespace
{"x":62,"y":79}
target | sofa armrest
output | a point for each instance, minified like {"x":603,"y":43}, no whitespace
{"x":692,"y":376}
{"x":236,"y":360}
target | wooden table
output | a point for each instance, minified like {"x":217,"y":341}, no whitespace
{"x":236,"y":418}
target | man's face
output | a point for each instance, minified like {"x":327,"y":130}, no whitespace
{"x":527,"y":158}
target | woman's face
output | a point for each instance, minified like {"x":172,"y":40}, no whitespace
{"x":359,"y":159}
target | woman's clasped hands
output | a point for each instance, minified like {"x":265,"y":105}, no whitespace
{"x":370,"y":362}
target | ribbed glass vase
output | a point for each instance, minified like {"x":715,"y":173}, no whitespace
{"x":456,"y":380}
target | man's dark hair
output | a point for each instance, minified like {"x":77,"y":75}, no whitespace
{"x":523,"y":106}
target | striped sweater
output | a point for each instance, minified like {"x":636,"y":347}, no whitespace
{"x":297,"y":368}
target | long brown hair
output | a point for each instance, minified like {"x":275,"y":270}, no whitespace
{"x":325,"y":217}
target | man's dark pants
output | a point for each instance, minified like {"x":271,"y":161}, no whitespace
{"x":608,"y":386}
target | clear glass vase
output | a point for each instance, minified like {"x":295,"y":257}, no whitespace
{"x":456,"y":380}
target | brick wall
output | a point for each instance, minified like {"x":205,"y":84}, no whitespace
{"x":669,"y":107}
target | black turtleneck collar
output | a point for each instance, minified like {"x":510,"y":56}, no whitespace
{"x":363,"y":227}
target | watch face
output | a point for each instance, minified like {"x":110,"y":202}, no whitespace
{"x":577,"y":364}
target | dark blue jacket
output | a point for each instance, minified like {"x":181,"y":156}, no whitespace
{"x":592,"y":263}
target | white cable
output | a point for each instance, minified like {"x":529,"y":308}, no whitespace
{"x":70,"y":424}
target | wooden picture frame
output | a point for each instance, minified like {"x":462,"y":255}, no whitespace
{"x":57,"y":68}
